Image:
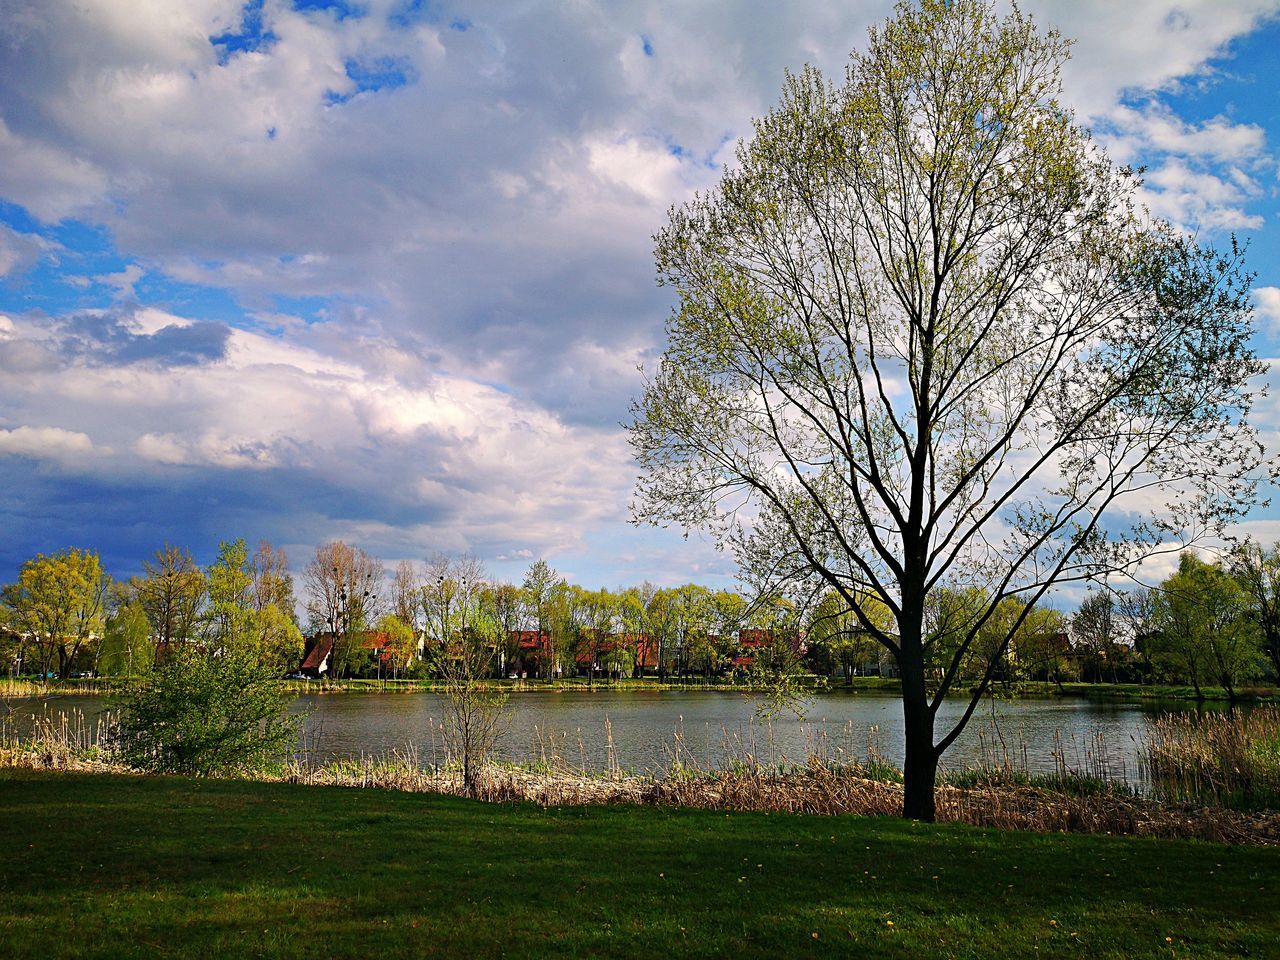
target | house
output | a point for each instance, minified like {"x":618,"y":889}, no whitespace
{"x":531,"y":648}
{"x":315,"y":659}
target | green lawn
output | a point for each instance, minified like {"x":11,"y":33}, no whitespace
{"x":103,"y":866}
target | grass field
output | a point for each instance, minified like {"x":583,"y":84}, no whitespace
{"x":104,"y":866}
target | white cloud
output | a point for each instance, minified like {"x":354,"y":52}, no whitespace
{"x":123,"y":281}
{"x":19,"y":251}
{"x":1197,"y":200}
{"x":45,"y":443}
{"x":482,"y":233}
{"x":1266,"y":302}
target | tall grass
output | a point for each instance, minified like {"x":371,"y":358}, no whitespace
{"x":1220,"y":759}
{"x":1082,"y":795}
{"x":59,"y":739}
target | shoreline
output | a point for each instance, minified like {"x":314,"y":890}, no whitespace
{"x":819,"y":687}
{"x":1003,"y":800}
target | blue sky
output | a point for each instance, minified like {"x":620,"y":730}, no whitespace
{"x":381,"y":270}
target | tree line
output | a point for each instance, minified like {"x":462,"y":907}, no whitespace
{"x":1210,"y":624}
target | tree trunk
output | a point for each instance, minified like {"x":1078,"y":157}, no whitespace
{"x":920,"y":773}
{"x":920,"y":770}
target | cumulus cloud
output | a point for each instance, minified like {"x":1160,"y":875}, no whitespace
{"x":19,"y":251}
{"x":437,"y":225}
{"x":409,"y":456}
{"x":1266,"y":303}
{"x":120,"y":339}
{"x":44,"y":443}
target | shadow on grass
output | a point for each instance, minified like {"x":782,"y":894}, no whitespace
{"x":102,"y":866}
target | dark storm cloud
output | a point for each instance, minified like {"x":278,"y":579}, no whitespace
{"x":109,"y":340}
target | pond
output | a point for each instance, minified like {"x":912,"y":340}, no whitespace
{"x":649,"y":730}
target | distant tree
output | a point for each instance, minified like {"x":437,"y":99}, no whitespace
{"x":1042,"y":647}
{"x":661,"y":623}
{"x":240,"y":617}
{"x":599,"y":616}
{"x":229,"y":582}
{"x":272,"y":581}
{"x":503,"y":602}
{"x":126,"y":647}
{"x":450,"y":597}
{"x":1137,"y":612}
{"x":1257,"y":570}
{"x":924,"y":340}
{"x":567,"y":625}
{"x":172,"y":593}
{"x":1206,"y":633}
{"x":342,"y":599}
{"x":836,"y":631}
{"x":400,"y":644}
{"x":59,"y":601}
{"x":537,"y":592}
{"x":406,"y":593}
{"x":1095,"y":629}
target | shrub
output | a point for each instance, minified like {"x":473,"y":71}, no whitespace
{"x":206,"y":715}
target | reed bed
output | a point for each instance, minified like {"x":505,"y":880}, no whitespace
{"x":62,"y":741}
{"x":1221,"y":759}
{"x":1081,"y":796}
{"x":815,"y":790}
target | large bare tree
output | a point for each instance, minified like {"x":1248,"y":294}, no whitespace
{"x":342,"y":598}
{"x":925,"y":340}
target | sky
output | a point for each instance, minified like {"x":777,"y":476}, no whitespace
{"x":381,"y":270}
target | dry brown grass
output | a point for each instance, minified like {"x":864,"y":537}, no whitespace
{"x":820,"y":790}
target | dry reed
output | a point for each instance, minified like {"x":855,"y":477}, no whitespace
{"x":1224,"y":759}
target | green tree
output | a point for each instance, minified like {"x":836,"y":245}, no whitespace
{"x":243,"y":610}
{"x":600,"y":621}
{"x":1041,"y":648}
{"x":400,"y":644}
{"x":1206,"y":632}
{"x":172,"y":593}
{"x":537,"y":592}
{"x":502,"y":601}
{"x":835,"y":630}
{"x":1257,"y":570}
{"x":206,"y":715}
{"x":59,"y":601}
{"x":229,"y":582}
{"x":126,"y":648}
{"x":923,"y":340}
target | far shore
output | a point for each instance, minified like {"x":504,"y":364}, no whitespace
{"x":808,"y":686}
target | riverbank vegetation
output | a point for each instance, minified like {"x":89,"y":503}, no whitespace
{"x":1216,"y":783}
{"x":1229,"y":760}
{"x":104,"y":866}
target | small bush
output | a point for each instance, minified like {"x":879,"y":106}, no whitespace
{"x":206,"y":715}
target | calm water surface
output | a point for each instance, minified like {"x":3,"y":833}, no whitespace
{"x":651,"y":729}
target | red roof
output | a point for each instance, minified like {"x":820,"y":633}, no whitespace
{"x":320,"y":649}
{"x":531,"y":639}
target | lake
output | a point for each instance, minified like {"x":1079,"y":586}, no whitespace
{"x":650,"y":729}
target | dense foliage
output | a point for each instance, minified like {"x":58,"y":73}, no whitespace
{"x":206,"y":715}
